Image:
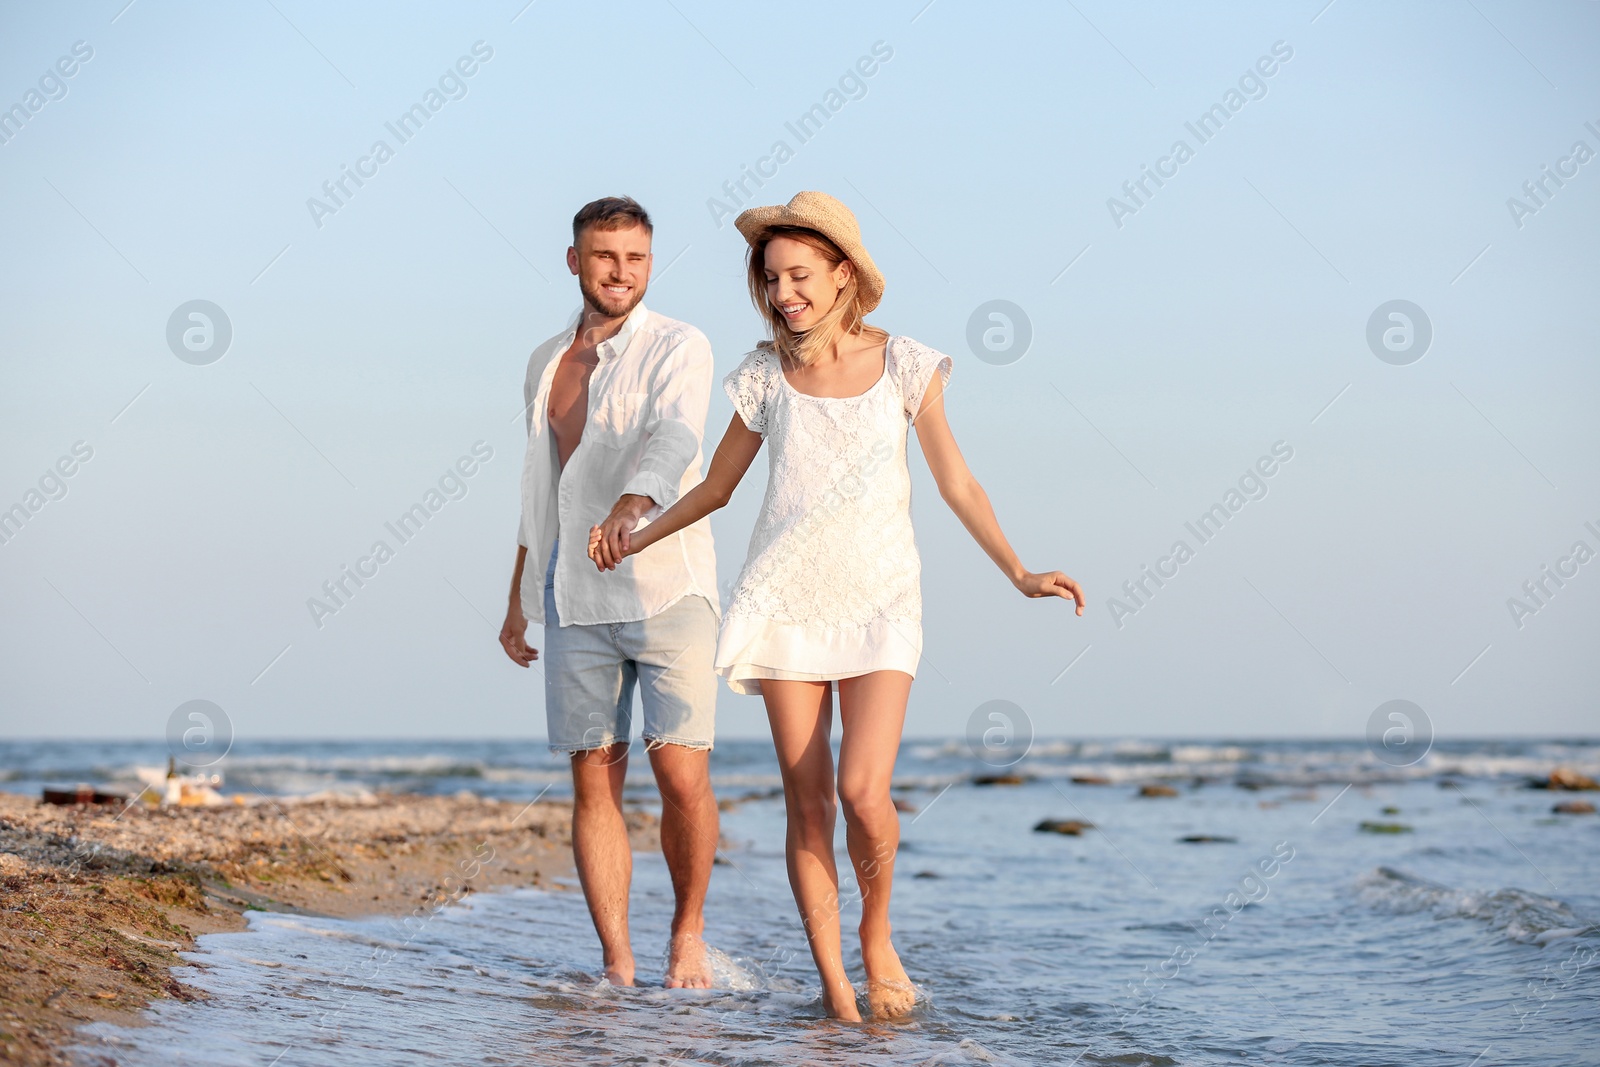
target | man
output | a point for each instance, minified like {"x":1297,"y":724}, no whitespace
{"x":616,"y":409}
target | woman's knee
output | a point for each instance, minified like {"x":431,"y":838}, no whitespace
{"x":812,"y":809}
{"x":867,"y":805}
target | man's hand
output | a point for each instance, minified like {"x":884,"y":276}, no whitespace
{"x":608,"y":542}
{"x":513,"y":636}
{"x":1053,"y":583}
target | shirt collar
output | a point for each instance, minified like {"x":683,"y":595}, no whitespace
{"x":618,"y":343}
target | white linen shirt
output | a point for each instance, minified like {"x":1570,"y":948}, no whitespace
{"x":648,"y":398}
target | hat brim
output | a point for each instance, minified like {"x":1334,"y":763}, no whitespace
{"x":754,"y":223}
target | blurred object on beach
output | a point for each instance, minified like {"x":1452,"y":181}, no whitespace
{"x":82,"y":794}
{"x":197,"y":789}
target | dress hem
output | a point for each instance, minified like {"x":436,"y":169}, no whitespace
{"x":749,"y":646}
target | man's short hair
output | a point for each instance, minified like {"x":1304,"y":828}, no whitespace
{"x":611,"y":213}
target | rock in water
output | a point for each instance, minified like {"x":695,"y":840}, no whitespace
{"x":1573,"y":807}
{"x":1207,"y":839}
{"x":1385,"y":827}
{"x":1156,"y":790}
{"x":998,"y":779}
{"x":1567,"y":778}
{"x":1070,"y":827}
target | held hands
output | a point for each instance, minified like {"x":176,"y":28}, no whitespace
{"x":1053,"y":583}
{"x":610,"y":542}
{"x":604,"y":557}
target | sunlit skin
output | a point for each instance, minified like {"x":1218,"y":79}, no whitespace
{"x":613,"y":271}
{"x":872,"y":707}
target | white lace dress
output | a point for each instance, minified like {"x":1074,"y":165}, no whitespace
{"x":832,"y":584}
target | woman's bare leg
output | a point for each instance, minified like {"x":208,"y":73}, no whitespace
{"x":872,"y":709}
{"x":801,"y":715}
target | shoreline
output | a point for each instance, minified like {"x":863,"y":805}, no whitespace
{"x":99,"y":900}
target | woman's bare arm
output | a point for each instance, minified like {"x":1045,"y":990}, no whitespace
{"x":971,"y":504}
{"x":731,"y":459}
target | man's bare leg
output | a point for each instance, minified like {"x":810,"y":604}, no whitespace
{"x":602,"y":853}
{"x":689,"y":829}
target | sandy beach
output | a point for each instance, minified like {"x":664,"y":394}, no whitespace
{"x":99,"y":900}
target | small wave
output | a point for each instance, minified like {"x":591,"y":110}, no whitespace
{"x":746,"y":781}
{"x":1210,"y":754}
{"x":1131,"y":773}
{"x":1492,"y":767}
{"x":1125,"y":751}
{"x":1524,"y":917}
{"x":526,"y":774}
{"x":429,"y":766}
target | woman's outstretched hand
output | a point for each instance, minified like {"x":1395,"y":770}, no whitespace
{"x":1053,"y":583}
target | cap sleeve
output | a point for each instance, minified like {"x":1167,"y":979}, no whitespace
{"x":749,"y":386}
{"x":915,"y":364}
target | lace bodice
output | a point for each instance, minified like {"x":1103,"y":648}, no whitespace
{"x":833,"y":548}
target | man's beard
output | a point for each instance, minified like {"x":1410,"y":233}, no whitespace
{"x":605,"y":303}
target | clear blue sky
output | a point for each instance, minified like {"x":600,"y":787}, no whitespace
{"x":373,"y":346}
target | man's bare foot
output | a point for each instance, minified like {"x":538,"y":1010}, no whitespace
{"x":890,"y":993}
{"x":687,"y":967}
{"x":620,"y":972}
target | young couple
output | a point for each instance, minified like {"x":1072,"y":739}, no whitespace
{"x":829,"y":598}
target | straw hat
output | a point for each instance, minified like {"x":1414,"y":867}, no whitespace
{"x":820,"y":212}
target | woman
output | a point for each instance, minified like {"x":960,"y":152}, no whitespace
{"x":830,"y":594}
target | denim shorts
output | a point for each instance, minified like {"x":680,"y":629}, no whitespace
{"x":590,"y":673}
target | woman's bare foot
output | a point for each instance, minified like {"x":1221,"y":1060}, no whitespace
{"x":890,"y":993}
{"x":839,"y":1001}
{"x":687,"y":967}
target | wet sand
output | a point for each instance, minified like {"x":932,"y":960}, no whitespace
{"x":98,"y":901}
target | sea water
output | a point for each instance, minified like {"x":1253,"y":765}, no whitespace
{"x":1469,"y":939}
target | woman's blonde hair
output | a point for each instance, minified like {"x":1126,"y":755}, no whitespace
{"x":845,"y":318}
